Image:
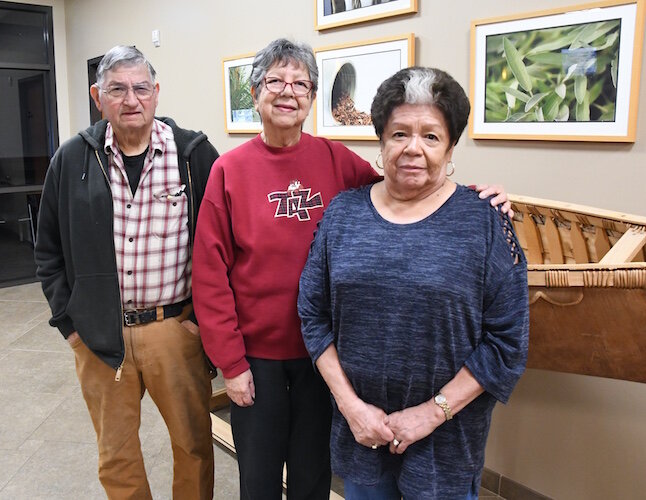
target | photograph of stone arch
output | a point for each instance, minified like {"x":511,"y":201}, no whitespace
{"x":348,"y":79}
{"x":335,"y":13}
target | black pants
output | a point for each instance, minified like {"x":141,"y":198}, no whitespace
{"x":289,"y":422}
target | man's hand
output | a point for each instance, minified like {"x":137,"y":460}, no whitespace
{"x":485,"y":190}
{"x":241,"y":389}
{"x":73,"y":339}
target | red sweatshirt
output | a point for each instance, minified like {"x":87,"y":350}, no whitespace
{"x":255,"y":226}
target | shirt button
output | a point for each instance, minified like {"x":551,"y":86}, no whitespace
{"x":129,"y":273}
{"x":174,"y":203}
{"x":128,"y":205}
{"x":131,"y":240}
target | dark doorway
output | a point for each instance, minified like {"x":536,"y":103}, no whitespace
{"x":92,"y":66}
{"x":28,"y":131}
{"x":33,"y":123}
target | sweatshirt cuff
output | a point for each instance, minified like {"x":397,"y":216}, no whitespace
{"x":236,"y":369}
{"x":65,"y":326}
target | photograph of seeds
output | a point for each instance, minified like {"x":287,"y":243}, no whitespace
{"x":348,"y":80}
{"x":567,"y":73}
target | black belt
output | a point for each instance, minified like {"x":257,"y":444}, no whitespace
{"x":134,"y":317}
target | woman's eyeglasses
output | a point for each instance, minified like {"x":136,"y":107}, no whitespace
{"x":299,"y":87}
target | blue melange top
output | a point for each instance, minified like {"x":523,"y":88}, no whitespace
{"x":407,"y":305}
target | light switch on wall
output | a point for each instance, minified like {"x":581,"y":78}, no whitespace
{"x":156,"y":40}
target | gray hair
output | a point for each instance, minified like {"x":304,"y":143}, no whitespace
{"x":426,"y":86}
{"x":122,"y":55}
{"x":283,"y":51}
{"x":419,"y":87}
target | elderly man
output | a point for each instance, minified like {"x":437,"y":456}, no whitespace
{"x":115,"y":232}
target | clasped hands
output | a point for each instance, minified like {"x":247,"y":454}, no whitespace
{"x":372,"y":426}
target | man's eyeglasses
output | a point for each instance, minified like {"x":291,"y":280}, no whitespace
{"x":299,"y":87}
{"x":142,"y":92}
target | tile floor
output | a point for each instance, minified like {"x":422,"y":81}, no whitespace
{"x":47,"y":442}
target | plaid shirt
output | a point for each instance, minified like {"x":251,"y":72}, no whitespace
{"x":151,"y":235}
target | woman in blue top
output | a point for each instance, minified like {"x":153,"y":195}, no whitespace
{"x":414,"y":306}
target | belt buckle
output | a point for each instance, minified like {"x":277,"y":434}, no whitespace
{"x":131,"y":318}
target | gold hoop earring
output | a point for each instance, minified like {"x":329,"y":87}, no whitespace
{"x":450,"y":163}
{"x":378,"y":161}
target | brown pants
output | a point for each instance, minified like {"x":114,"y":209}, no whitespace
{"x":168,"y":360}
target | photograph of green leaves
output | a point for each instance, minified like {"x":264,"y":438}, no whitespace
{"x":568,"y":73}
{"x":565,"y":74}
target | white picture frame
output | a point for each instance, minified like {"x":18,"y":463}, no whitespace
{"x":592,"y":97}
{"x":349,"y":75}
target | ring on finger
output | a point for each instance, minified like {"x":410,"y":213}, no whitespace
{"x":395,"y":442}
{"x":374,"y":446}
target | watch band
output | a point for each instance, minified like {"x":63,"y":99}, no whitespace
{"x":440,"y":400}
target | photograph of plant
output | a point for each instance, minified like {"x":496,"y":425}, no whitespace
{"x":242,"y":108}
{"x":567,"y":73}
{"x":241,"y":116}
{"x":562,"y":74}
{"x":335,"y":13}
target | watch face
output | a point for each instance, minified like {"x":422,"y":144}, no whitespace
{"x":440,"y":399}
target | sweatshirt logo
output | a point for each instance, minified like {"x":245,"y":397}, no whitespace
{"x":297,"y":201}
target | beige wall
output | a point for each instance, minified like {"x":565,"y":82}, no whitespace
{"x":566,"y":436}
{"x":196,"y":35}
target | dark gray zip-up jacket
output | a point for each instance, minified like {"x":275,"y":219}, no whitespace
{"x":75,"y":251}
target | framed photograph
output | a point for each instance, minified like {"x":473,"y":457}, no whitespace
{"x":240,"y":115}
{"x":335,"y":13}
{"x":568,"y":74}
{"x":348,"y":79}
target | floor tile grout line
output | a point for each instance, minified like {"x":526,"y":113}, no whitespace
{"x":29,"y":301}
{"x":41,"y":424}
{"x":25,"y":463}
{"x":29,"y":328}
{"x":22,"y":349}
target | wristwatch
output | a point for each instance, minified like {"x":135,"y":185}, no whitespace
{"x":440,"y":400}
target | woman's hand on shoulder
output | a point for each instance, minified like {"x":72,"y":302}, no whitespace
{"x":241,"y":389}
{"x":500,"y":198}
{"x":367,"y":424}
{"x":412,"y":424}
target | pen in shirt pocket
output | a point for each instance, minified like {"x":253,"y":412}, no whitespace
{"x":172,"y":194}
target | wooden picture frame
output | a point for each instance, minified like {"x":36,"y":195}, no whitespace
{"x":349,"y":75}
{"x":565,"y":74}
{"x":335,"y":13}
{"x":240,"y":115}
